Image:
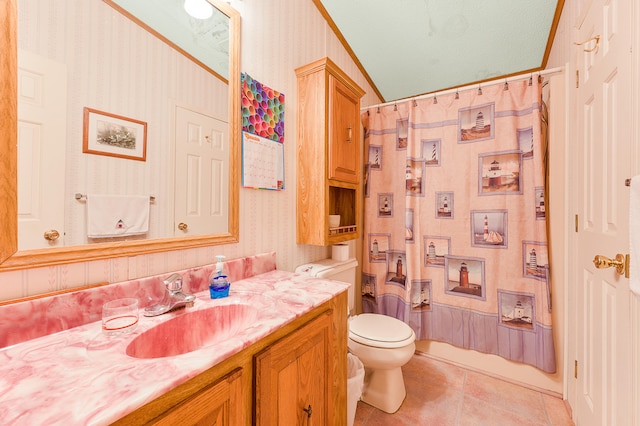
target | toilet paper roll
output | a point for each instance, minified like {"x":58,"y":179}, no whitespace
{"x":340,"y":251}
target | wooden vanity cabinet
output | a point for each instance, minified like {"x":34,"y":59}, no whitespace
{"x":328,"y":154}
{"x":218,"y":404}
{"x":305,"y":358}
{"x":293,"y":377}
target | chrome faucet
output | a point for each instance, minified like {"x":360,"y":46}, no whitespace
{"x":173,"y":298}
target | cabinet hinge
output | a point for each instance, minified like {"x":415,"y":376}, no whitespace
{"x":577,"y":79}
{"x":575,"y":368}
{"x":576,"y":223}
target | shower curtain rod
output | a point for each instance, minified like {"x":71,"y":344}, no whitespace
{"x":468,"y":87}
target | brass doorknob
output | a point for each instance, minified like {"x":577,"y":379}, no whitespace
{"x":621,"y":263}
{"x":51,"y":235}
{"x":182,"y":226}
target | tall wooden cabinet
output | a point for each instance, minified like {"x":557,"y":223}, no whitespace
{"x":329,"y":176}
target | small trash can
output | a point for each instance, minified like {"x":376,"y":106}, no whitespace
{"x":355,"y":382}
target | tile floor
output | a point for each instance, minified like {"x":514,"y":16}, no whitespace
{"x":441,"y":394}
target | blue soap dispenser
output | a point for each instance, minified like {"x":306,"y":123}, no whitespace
{"x":218,"y":283}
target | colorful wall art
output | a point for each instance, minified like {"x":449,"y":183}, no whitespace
{"x":262,"y":110}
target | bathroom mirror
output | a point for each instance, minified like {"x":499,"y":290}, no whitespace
{"x":10,"y":257}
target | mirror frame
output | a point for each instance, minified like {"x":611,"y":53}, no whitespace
{"x":10,"y":257}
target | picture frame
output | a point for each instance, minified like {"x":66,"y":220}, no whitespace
{"x":385,"y":204}
{"x":378,"y":246}
{"x":436,"y":248}
{"x":396,"y":268}
{"x":113,"y":135}
{"x":476,"y":123}
{"x":369,"y":283}
{"x":517,"y":310}
{"x":402,"y":134}
{"x":464,"y":276}
{"x":431,"y":152}
{"x":535,"y":260}
{"x":414,"y":172}
{"x":421,"y":295}
{"x":408,"y":227}
{"x":500,"y":173}
{"x":444,"y":205}
{"x":489,"y":228}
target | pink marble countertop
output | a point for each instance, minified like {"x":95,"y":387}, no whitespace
{"x":80,"y":376}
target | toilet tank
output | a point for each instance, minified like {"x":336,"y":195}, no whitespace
{"x":338,"y":270}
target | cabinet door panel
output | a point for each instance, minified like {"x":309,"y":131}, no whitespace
{"x":344,"y":139}
{"x":295,"y":374}
{"x":219,"y":404}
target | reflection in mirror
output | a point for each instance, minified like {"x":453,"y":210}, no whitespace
{"x":111,"y":64}
{"x":194,"y":27}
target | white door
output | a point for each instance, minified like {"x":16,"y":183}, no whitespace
{"x":42,"y":100}
{"x":602,"y":159}
{"x":201,"y":170}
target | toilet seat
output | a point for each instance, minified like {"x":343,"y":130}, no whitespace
{"x":380,"y":331}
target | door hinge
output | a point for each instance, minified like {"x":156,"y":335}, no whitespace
{"x":575,"y":368}
{"x":577,"y":79}
{"x":576,"y":223}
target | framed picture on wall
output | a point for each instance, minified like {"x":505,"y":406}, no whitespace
{"x":114,"y":135}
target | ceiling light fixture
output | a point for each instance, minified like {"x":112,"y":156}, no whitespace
{"x":199,"y":9}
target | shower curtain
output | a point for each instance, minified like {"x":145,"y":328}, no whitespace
{"x":455,"y":220}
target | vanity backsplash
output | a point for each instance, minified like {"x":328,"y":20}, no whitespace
{"x":34,"y":318}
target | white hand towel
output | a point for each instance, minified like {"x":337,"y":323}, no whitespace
{"x":634,"y":235}
{"x":117,"y":215}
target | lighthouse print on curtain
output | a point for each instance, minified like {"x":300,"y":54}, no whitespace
{"x":455,"y":221}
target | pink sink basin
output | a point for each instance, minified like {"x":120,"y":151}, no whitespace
{"x":192,"y":330}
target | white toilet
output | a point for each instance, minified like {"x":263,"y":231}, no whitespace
{"x":383,"y":343}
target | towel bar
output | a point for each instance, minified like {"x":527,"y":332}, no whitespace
{"x":81,"y":197}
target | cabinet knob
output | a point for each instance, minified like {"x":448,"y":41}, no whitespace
{"x":308,"y":410}
{"x":182,"y":226}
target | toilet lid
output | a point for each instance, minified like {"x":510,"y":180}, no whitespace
{"x":385,"y":330}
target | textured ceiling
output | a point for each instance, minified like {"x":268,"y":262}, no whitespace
{"x":413,"y":47}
